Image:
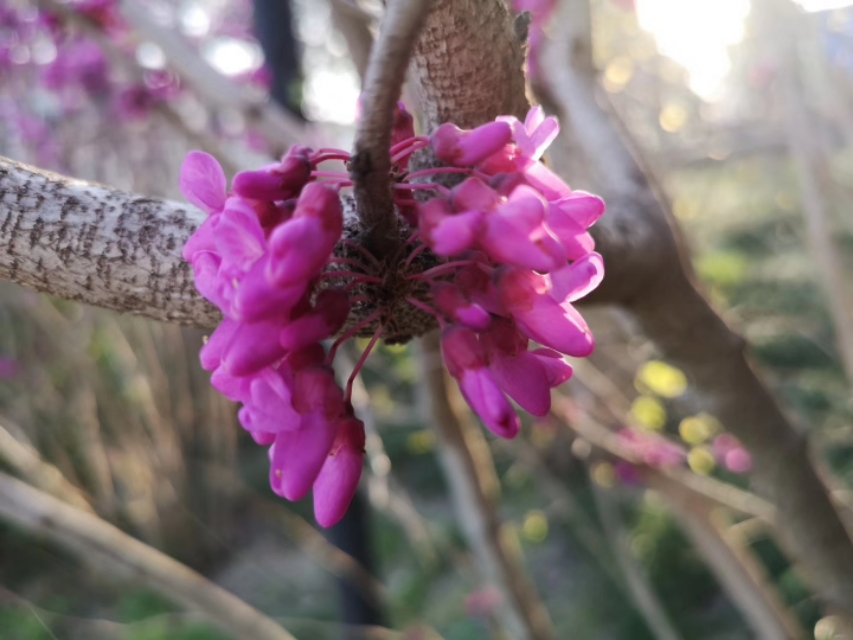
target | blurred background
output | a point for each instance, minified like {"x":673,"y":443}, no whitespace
{"x":745,"y":122}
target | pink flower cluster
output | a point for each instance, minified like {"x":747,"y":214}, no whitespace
{"x":517,"y":236}
{"x":657,"y":451}
{"x":730,"y":453}
{"x":652,"y":449}
{"x":257,"y":257}
{"x":510,"y":253}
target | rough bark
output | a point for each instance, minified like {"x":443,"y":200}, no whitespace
{"x":650,"y":275}
{"x":467,"y":66}
{"x":100,"y":246}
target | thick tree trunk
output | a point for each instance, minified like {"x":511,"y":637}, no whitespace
{"x":649,"y":274}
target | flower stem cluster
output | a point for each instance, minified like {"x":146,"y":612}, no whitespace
{"x":495,"y":260}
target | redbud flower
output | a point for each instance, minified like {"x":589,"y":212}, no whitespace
{"x":496,"y":260}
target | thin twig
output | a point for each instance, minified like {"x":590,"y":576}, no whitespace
{"x":737,"y":571}
{"x":25,"y":461}
{"x":782,"y":24}
{"x":709,"y":489}
{"x":371,"y":162}
{"x":98,"y":541}
{"x":470,"y":473}
{"x":641,"y":591}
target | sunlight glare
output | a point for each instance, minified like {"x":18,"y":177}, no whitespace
{"x":696,"y":35}
{"x":822,"y":5}
{"x":231,"y":56}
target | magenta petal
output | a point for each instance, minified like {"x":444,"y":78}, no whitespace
{"x":238,"y":235}
{"x":523,"y":378}
{"x":213,"y":350}
{"x":451,"y":301}
{"x":514,"y":234}
{"x":202,"y":181}
{"x":248,"y":420}
{"x":208,"y":279}
{"x":455,"y":233}
{"x":536,"y":115}
{"x":300,"y":454}
{"x":257,"y":299}
{"x":236,"y":389}
{"x":575,"y":280}
{"x":299,"y":250}
{"x":338,"y":480}
{"x":542,"y":136}
{"x":556,"y":326}
{"x":574,"y":238}
{"x":474,"y":195}
{"x":270,"y":398}
{"x":486,"y":399}
{"x":201,"y":240}
{"x":260,"y":184}
{"x":253,"y":347}
{"x":325,"y":320}
{"x":547,"y":182}
{"x":557,"y":369}
{"x":582,"y":207}
{"x":465,"y":148}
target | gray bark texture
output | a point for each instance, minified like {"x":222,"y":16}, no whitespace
{"x":96,"y":245}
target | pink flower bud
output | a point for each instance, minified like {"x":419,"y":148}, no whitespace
{"x":298,"y":456}
{"x":451,"y":301}
{"x":515,"y":234}
{"x":300,"y":247}
{"x":448,"y":234}
{"x":278,"y":181}
{"x":324,"y":320}
{"x":542,"y":318}
{"x":202,"y":181}
{"x":258,"y":299}
{"x":338,"y":479}
{"x":466,"y":361}
{"x":474,"y":195}
{"x":461,"y":148}
{"x":253,"y":347}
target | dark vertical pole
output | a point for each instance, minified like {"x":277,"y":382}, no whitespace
{"x":274,"y":29}
{"x":352,"y":535}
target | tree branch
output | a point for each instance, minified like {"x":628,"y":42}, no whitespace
{"x":737,"y":572}
{"x":96,"y":540}
{"x":99,"y":246}
{"x":649,"y":274}
{"x":473,"y":486}
{"x":371,"y":162}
